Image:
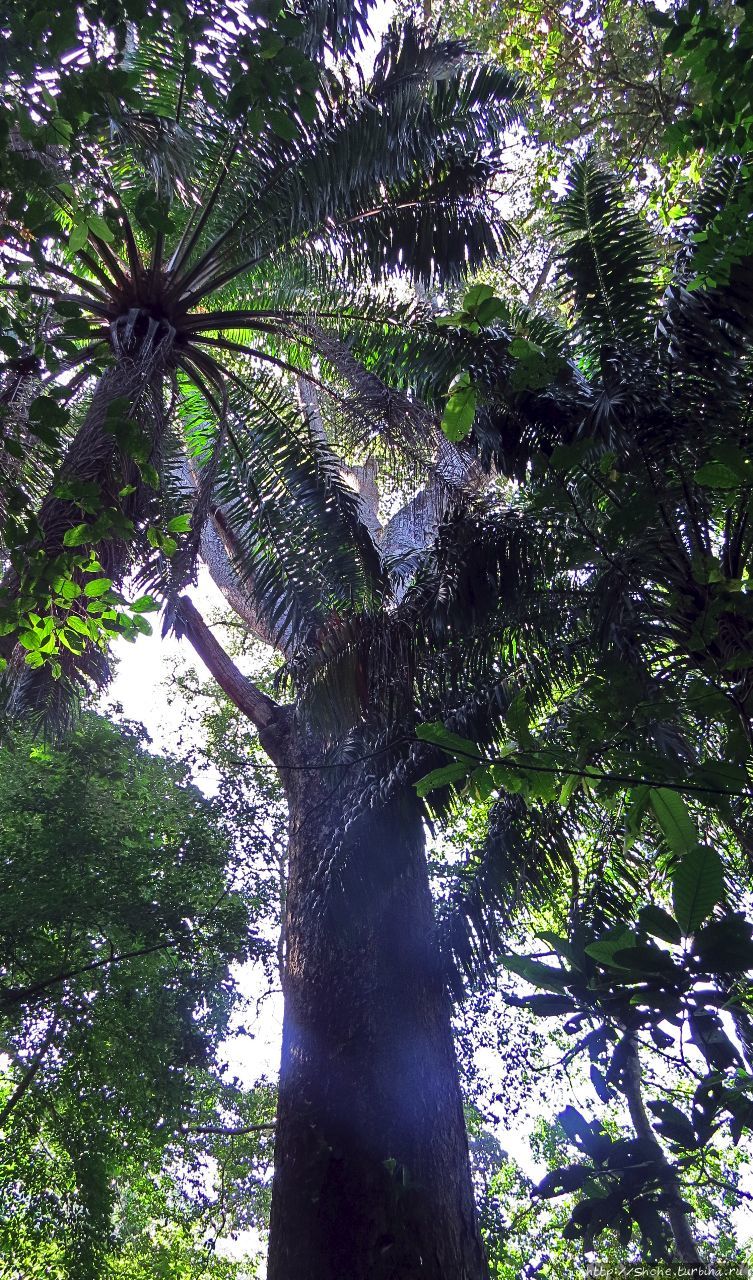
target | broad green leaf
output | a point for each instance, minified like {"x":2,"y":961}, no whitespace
{"x":46,"y":412}
{"x":179,"y":524}
{"x":557,"y":943}
{"x":78,"y":237}
{"x":77,"y":624}
{"x":658,"y":922}
{"x":67,"y":307}
{"x":488,"y":310}
{"x":282,"y":124}
{"x":475,"y":295}
{"x":434,"y":731}
{"x":481,"y":782}
{"x":99,"y":228}
{"x":539,"y":975}
{"x":460,"y":409}
{"x":98,"y":587}
{"x":141,"y":624}
{"x":448,"y":773}
{"x":560,"y":1181}
{"x":604,"y":949}
{"x":673,"y":1124}
{"x":523,"y":348}
{"x":71,"y":641}
{"x":599,"y":1083}
{"x":716,"y":475}
{"x":722,"y":775}
{"x":144,"y":604}
{"x":674,"y":818}
{"x":697,"y":886}
{"x":645,"y":959}
{"x":77,"y":536}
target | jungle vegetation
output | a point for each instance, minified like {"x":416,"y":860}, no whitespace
{"x":433,"y":354}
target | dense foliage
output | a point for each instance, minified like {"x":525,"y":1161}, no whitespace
{"x":120,"y":924}
{"x":499,"y":535}
{"x":167,"y":256}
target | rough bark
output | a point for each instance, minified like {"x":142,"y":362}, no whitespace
{"x":372,"y":1178}
{"x":413,"y":528}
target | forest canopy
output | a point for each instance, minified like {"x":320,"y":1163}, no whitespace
{"x":404,"y":378}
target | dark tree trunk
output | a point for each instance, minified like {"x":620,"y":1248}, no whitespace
{"x":372,"y":1179}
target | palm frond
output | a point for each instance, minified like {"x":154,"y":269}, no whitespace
{"x":526,"y":856}
{"x":606,"y":266}
{"x":160,"y":147}
{"x":427,"y":233}
{"x":348,"y":167}
{"x":706,"y":322}
{"x":277,"y":481}
{"x":340,"y":25}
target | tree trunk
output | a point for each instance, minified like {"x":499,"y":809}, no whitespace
{"x":372,"y":1178}
{"x":685,"y":1245}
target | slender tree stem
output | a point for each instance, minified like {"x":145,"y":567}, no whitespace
{"x":685,"y":1244}
{"x":30,"y":1073}
{"x":234,"y":1131}
{"x":20,"y":995}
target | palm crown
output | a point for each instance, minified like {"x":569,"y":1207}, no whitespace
{"x":606,"y":599}
{"x":181,"y":323}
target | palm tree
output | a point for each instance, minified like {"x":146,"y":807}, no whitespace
{"x":178,"y":320}
{"x":234,"y":378}
{"x":630,"y":432}
{"x":444,"y":614}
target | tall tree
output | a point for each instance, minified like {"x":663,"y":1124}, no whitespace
{"x":237,"y":344}
{"x":440,"y":613}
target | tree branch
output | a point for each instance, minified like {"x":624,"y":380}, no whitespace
{"x":414,"y":527}
{"x":27,"y":1078}
{"x":231,"y":1132}
{"x":261,"y":710}
{"x":19,"y":995}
